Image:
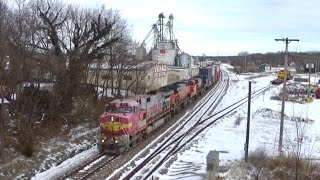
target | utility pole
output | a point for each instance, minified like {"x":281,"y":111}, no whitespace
{"x":245,"y":59}
{"x":284,"y":93}
{"x":316,"y":71}
{"x":309,"y":86}
{"x":246,"y":145}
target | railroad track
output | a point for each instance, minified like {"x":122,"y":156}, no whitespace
{"x":166,"y":150}
{"x":92,"y":165}
{"x":210,"y":101}
{"x":88,"y":168}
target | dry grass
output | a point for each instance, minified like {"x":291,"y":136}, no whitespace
{"x":25,"y":140}
{"x":282,"y":167}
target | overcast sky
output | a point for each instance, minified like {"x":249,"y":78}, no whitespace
{"x":225,"y":27}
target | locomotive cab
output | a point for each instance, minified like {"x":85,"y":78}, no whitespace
{"x":116,"y":126}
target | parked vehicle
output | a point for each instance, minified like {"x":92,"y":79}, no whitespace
{"x":282,"y":73}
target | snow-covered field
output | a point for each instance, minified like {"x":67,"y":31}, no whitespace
{"x":228,"y":136}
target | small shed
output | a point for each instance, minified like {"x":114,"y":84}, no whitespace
{"x":264,"y":66}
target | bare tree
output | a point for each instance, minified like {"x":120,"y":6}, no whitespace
{"x":59,"y":42}
{"x":73,"y":38}
{"x":300,"y":165}
{"x":140,"y":72}
{"x":121,"y":59}
{"x":3,"y":11}
{"x":244,"y":54}
{"x":295,"y":145}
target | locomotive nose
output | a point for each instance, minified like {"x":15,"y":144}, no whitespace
{"x":112,"y":124}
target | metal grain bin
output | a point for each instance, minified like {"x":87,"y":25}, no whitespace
{"x":185,"y":60}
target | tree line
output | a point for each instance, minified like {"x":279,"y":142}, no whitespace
{"x":51,"y":41}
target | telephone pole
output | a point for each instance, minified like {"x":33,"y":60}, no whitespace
{"x":309,"y":69}
{"x":284,"y":93}
{"x":245,"y":63}
{"x":246,"y":145}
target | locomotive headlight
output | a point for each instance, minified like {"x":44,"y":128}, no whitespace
{"x":102,"y":140}
{"x":116,"y":141}
{"x":112,"y":119}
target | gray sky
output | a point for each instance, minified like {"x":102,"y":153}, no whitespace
{"x":225,"y":27}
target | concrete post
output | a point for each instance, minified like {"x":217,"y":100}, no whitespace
{"x":212,"y":165}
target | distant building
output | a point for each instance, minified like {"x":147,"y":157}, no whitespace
{"x":180,"y":73}
{"x":264,"y":67}
{"x":140,"y":78}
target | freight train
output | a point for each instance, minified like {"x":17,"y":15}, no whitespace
{"x":129,"y":120}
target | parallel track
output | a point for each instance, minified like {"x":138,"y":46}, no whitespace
{"x":210,"y":99}
{"x":93,"y":165}
{"x":179,"y":142}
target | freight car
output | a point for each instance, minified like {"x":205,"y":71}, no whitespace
{"x":127,"y":121}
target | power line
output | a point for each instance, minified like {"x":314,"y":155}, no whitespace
{"x":284,"y":93}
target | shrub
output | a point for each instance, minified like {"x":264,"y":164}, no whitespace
{"x":238,"y":120}
{"x":258,"y":159}
{"x":27,"y":150}
{"x":281,"y":167}
{"x":24,"y":138}
{"x":26,"y":144}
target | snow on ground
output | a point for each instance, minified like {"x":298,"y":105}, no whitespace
{"x":67,"y":165}
{"x":51,"y":154}
{"x":229,"y":138}
{"x":75,"y":143}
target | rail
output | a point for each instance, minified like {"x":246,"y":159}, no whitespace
{"x":178,"y":146}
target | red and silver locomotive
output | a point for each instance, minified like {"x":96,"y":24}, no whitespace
{"x":127,"y":121}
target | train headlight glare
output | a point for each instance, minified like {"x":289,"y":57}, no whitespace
{"x":112,"y":119}
{"x":102,"y":140}
{"x":116,"y":141}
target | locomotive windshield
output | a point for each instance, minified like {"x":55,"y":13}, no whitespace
{"x":124,"y":109}
{"x":111,"y":109}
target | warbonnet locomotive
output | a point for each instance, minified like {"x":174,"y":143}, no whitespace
{"x":127,"y":121}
